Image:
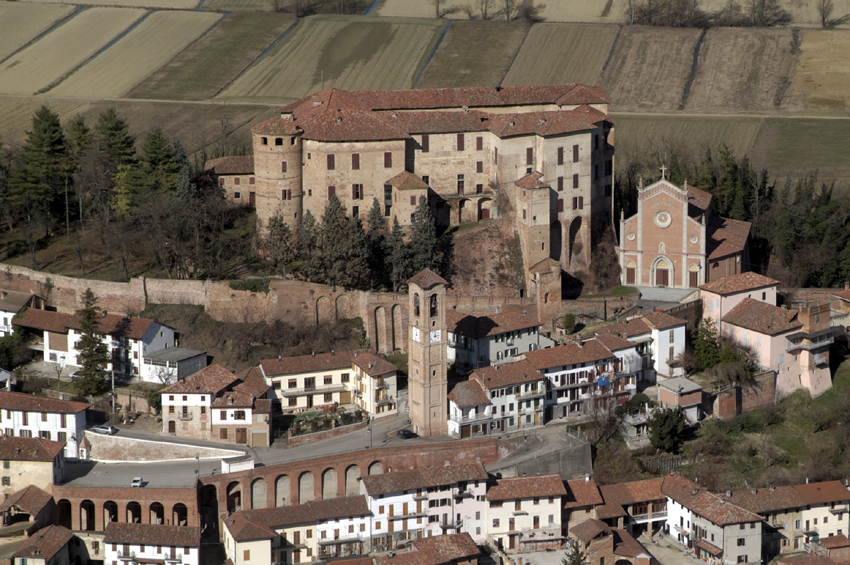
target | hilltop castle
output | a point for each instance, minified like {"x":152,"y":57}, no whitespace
{"x":465,"y":149}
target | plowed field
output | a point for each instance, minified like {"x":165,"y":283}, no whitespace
{"x":20,"y":23}
{"x":822,"y":76}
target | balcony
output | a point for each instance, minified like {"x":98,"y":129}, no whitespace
{"x":340,"y":539}
{"x":384,"y":401}
{"x":540,"y":391}
{"x":460,"y":495}
{"x":127,"y":555}
{"x":185,"y":417}
{"x":809,"y":343}
{"x":469,"y":418}
{"x":839,"y":509}
{"x":174,"y":558}
{"x":646,"y":517}
{"x":290,"y":392}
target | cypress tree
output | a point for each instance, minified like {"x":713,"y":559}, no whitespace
{"x":93,"y":353}
{"x":281,"y":245}
{"x":356,"y":262}
{"x":423,"y":239}
{"x":335,"y":247}
{"x":398,"y":255}
{"x":308,"y":245}
{"x":377,"y":226}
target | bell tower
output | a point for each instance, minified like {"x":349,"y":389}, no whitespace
{"x":427,"y":343}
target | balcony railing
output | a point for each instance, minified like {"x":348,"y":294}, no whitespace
{"x":286,"y":393}
{"x":532,"y":393}
{"x":809,"y":344}
{"x":185,"y":417}
{"x":652,"y":516}
{"x":174,"y":558}
{"x":469,"y":418}
{"x":839,"y":509}
{"x":127,"y":555}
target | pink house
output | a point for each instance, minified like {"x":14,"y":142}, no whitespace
{"x":721,"y":296}
{"x":793,"y":343}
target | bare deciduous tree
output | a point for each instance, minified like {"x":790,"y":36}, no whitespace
{"x":825,"y":9}
{"x":487,"y":9}
{"x":438,"y":7}
{"x":509,"y":8}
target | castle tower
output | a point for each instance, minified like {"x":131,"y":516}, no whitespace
{"x":427,"y":354}
{"x":277,"y":167}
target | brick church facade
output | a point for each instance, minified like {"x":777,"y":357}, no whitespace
{"x":674,"y":240}
{"x":459,"y":147}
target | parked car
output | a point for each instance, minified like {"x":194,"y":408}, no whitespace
{"x":105,"y":429}
{"x":405,"y":434}
{"x":137,"y":482}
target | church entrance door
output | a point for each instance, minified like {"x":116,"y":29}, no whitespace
{"x":662,"y":277}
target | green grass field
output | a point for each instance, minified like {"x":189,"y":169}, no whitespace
{"x":204,"y":68}
{"x":798,"y":146}
{"x":351,"y":52}
{"x":562,"y":53}
{"x":238,"y":5}
{"x":473,"y":53}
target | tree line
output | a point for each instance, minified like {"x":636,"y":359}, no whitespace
{"x":800,"y":230}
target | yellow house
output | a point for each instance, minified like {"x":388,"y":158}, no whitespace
{"x":308,"y":381}
{"x":30,"y":461}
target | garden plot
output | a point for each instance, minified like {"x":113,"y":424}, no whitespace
{"x":148,"y":46}
{"x":62,"y":50}
{"x":21,"y":23}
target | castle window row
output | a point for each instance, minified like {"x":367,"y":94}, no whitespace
{"x":278,"y":141}
{"x":355,"y":161}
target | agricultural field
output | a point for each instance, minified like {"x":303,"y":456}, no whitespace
{"x":238,"y":5}
{"x":204,"y":68}
{"x":473,"y":53}
{"x":755,"y":83}
{"x":608,"y":12}
{"x":16,"y":115}
{"x":58,"y":53}
{"x":352,"y":52}
{"x":562,"y":53}
{"x":454,"y":9}
{"x":822,"y":76}
{"x":21,"y":23}
{"x":798,"y":146}
{"x":166,"y":4}
{"x":148,"y":46}
{"x":649,"y":68}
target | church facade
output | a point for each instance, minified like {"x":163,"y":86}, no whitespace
{"x":674,"y":241}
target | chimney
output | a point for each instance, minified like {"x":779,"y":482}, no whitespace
{"x":846,"y":285}
{"x":728,"y":494}
{"x":587,"y":478}
{"x":807,"y":480}
{"x":314,"y":354}
{"x":772,"y":488}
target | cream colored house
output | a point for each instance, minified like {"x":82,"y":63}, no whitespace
{"x":375,"y":389}
{"x":310,"y":381}
{"x":30,"y":461}
{"x":524,"y":513}
{"x":48,"y":546}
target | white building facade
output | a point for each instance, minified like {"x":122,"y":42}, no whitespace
{"x":25,"y":415}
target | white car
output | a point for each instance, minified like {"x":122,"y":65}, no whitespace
{"x":137,"y":482}
{"x":105,"y":429}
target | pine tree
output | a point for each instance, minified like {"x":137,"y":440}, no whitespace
{"x":113,"y":139}
{"x":130,"y":182}
{"x":706,"y":348}
{"x":309,"y":245}
{"x":160,"y":167}
{"x":574,"y":556}
{"x":423,"y":239}
{"x":280,"y":245}
{"x":356,"y":263}
{"x":666,"y":428}
{"x":79,"y":140}
{"x":93,"y":353}
{"x":398,"y":256}
{"x":377,"y":226}
{"x":335,"y":248}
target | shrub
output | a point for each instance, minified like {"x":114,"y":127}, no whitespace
{"x":569,"y":323}
{"x":251,"y":285}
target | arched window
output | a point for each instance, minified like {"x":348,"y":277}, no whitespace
{"x":433,"y":305}
{"x":415,"y":304}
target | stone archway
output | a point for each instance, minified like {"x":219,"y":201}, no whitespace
{"x":575,"y":243}
{"x":381,"y":345}
{"x":399,"y":337}
{"x":330,"y":487}
{"x":305,"y":487}
{"x":87,"y":519}
{"x":258,"y":493}
{"x":179,"y":514}
{"x":281,"y":490}
{"x":110,"y":512}
{"x":663,"y":274}
{"x":134,"y":512}
{"x":342,"y":307}
{"x":157,"y":513}
{"x":234,"y":496}
{"x":376,"y":468}
{"x":484,"y":208}
{"x":555,"y":237}
{"x":352,"y":485}
{"x":324,"y":310}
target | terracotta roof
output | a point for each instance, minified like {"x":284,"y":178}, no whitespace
{"x":233,"y":165}
{"x":209,"y":380}
{"x":30,"y":403}
{"x":766,"y":500}
{"x":741,"y":282}
{"x":353,"y":561}
{"x":700,"y":200}
{"x":718,"y":510}
{"x":581,"y":492}
{"x":263,"y":406}
{"x":423,"y":477}
{"x":625,"y":544}
{"x":373,"y":365}
{"x":408,"y":181}
{"x":506,"y":374}
{"x":805,"y":559}
{"x":152,"y":534}
{"x":427,"y":279}
{"x":253,"y":383}
{"x":543,"y":266}
{"x":277,"y":126}
{"x":835,"y":542}
{"x":633,"y":492}
{"x":726,"y":237}
{"x":352,"y":125}
{"x":532,"y":181}
{"x":30,"y":499}
{"x":545,"y":123}
{"x":314,"y":363}
{"x":610,"y":510}
{"x":629,"y":328}
{"x":712,"y":549}
{"x":589,"y":530}
{"x":662,"y":321}
{"x":761,"y":317}
{"x":111,"y":324}
{"x":12,"y":301}
{"x":440,"y":121}
{"x":435,"y":550}
{"x":823,"y":493}
{"x":468,"y":393}
{"x":526,"y":487}
{"x":257,"y":524}
{"x":45,"y":543}
{"x":843,"y":295}
{"x":233,"y":399}
{"x":478,"y":327}
{"x":589,"y":351}
{"x":615,"y":343}
{"x":29,"y":448}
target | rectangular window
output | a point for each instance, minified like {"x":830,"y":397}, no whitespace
{"x":44,"y":416}
{"x":426,"y":143}
{"x":331,"y":191}
{"x":741,"y":542}
{"x":529,"y":155}
{"x":426,"y":179}
{"x":575,"y":181}
{"x":286,"y":194}
{"x":479,"y":143}
{"x":328,"y":380}
{"x":223,"y":415}
{"x":596,"y":172}
{"x":329,"y":397}
{"x":460,"y":142}
{"x":355,"y":161}
{"x":560,"y":204}
{"x":388,"y":160}
{"x":460,"y":183}
{"x":560,"y":155}
{"x":495,"y":522}
{"x":7,"y":481}
{"x":575,"y":153}
{"x":220,"y":183}
{"x":496,"y":156}
{"x":236,"y":181}
{"x":357,"y":192}
{"x":293,"y":383}
{"x":331,"y":162}
{"x":222,"y":433}
{"x":344,"y":377}
{"x":560,"y":184}
{"x":63,"y":420}
{"x":283,"y":166}
{"x":479,"y":166}
{"x":246,"y":555}
{"x":250,"y":180}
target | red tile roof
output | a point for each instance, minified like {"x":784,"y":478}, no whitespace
{"x":805,"y":559}
{"x":699,"y":199}
{"x":468,"y":393}
{"x":629,"y":328}
{"x":761,"y":317}
{"x":277,"y":126}
{"x":741,"y":282}
{"x":615,"y":343}
{"x":424,"y":477}
{"x":581,"y":493}
{"x":610,"y":510}
{"x":633,"y":492}
{"x":243,"y":529}
{"x":427,"y":279}
{"x":532,"y":181}
{"x":373,"y":365}
{"x":718,"y":510}
{"x":45,"y":543}
{"x":314,"y":363}
{"x":152,"y":534}
{"x":209,"y":380}
{"x":589,"y":351}
{"x":112,"y":324}
{"x":11,"y":301}
{"x":662,"y":321}
{"x":726,"y":237}
{"x":589,"y":530}
{"x":233,"y":399}
{"x":407,"y":181}
{"x":835,"y":542}
{"x":625,"y":544}
{"x":823,"y":493}
{"x":712,"y":549}
{"x":29,"y":403}
{"x":30,"y":499}
{"x":29,"y":448}
{"x":253,"y":383}
{"x":233,"y":165}
{"x":539,"y":486}
{"x":506,"y":374}
{"x":257,"y":524}
{"x":767,"y":500}
{"x":435,"y":550}
{"x":478,"y":327}
{"x":351,"y":125}
{"x":545,"y":123}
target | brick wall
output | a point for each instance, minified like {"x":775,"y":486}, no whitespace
{"x":727,"y":403}
{"x":318,"y":436}
{"x":760,"y":394}
{"x":117,"y":448}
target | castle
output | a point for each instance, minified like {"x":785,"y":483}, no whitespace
{"x":464,"y":149}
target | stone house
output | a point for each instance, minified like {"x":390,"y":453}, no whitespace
{"x":31,"y":505}
{"x":151,"y":543}
{"x":480,"y":341}
{"x":31,"y":461}
{"x":602,"y":544}
{"x":25,"y":415}
{"x":524,"y":513}
{"x":719,"y":297}
{"x":129,"y":339}
{"x":235,"y":176}
{"x":12,"y":302}
{"x":451,"y":549}
{"x":460,"y":143}
{"x":48,"y":546}
{"x":674,"y":240}
{"x":375,"y":384}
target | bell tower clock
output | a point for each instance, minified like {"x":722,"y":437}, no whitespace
{"x":427,"y":354}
